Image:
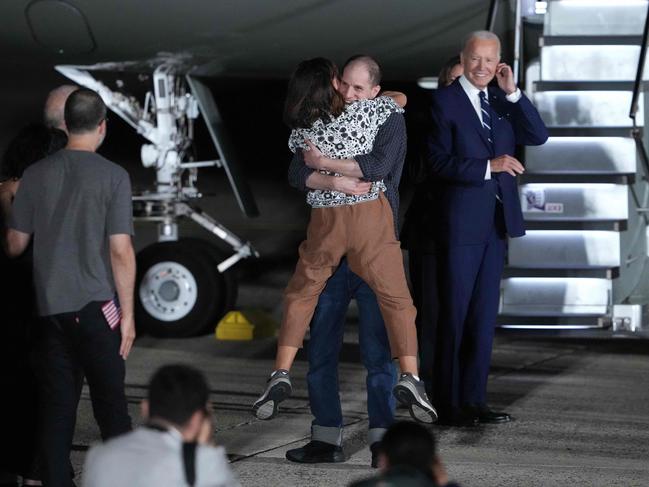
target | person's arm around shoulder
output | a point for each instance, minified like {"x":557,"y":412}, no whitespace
{"x":399,"y":98}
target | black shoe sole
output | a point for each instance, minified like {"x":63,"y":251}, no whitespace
{"x":336,"y":457}
{"x":277,"y":394}
{"x":406,"y":397}
{"x":457,"y":424}
{"x":495,"y":421}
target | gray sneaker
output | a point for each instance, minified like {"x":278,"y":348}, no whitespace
{"x":277,"y":389}
{"x":411,"y":393}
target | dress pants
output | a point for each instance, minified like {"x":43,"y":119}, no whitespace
{"x":470,"y":290}
{"x":327,"y":330}
{"x":74,"y":344}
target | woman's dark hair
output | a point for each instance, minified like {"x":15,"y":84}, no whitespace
{"x":33,"y":143}
{"x":311,"y":95}
{"x":444,"y":78}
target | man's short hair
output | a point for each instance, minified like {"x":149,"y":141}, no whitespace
{"x":484,"y":35}
{"x":372,"y":65}
{"x":176,"y":392}
{"x":409,"y":444}
{"x":84,"y":111}
{"x":53,"y":112}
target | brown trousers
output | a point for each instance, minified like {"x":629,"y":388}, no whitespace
{"x":365,"y":234}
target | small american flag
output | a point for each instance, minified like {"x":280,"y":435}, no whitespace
{"x":112,"y":312}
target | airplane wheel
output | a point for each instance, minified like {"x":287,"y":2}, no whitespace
{"x":179,"y":291}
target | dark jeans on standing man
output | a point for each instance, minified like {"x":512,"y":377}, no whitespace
{"x":423,"y":267}
{"x":325,"y":344}
{"x":74,"y":344}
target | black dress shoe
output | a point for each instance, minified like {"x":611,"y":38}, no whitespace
{"x":316,"y":452}
{"x":487,"y":416}
{"x":459,"y":419}
{"x":375,"y":448}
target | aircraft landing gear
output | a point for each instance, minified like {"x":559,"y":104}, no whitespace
{"x":183,"y":286}
{"x":179,"y":290}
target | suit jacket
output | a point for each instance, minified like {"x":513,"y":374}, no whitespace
{"x":457,"y":205}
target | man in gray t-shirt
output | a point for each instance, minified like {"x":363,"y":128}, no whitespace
{"x":72,"y":201}
{"x":77,"y":207}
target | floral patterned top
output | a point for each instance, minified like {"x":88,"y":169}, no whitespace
{"x":349,"y":135}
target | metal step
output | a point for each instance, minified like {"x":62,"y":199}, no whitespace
{"x":582,"y":155}
{"x":554,"y":323}
{"x":603,"y":225}
{"x":586,"y":108}
{"x":590,"y":62}
{"x":576,"y":131}
{"x":565,"y":249}
{"x":574,"y":202}
{"x":599,"y":273}
{"x":555,"y":296}
{"x":590,"y":40}
{"x":587,"y":85}
{"x":578,"y":17}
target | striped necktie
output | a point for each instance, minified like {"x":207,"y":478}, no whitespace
{"x":486,"y":125}
{"x":486,"y":116}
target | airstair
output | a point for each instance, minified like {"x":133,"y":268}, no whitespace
{"x":584,"y":262}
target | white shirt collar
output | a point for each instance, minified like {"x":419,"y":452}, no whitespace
{"x":470,"y":89}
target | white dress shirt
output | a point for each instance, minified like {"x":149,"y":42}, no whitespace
{"x":474,"y":97}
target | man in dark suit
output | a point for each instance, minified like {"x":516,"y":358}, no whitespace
{"x":472,"y":205}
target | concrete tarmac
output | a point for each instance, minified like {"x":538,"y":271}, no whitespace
{"x":581,"y":407}
{"x":581,"y":412}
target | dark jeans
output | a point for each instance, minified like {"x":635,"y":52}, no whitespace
{"x":74,"y":344}
{"x":327,"y":329}
{"x":423,"y":269}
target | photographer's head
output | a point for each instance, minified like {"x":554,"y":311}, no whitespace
{"x":178,"y":397}
{"x":85,"y":118}
{"x":410,"y":445}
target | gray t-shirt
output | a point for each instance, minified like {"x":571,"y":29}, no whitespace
{"x":72,"y":201}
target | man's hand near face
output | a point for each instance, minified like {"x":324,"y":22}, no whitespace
{"x":505,"y":78}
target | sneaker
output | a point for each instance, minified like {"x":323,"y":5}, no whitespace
{"x":277,"y":389}
{"x":316,"y":452}
{"x":412,"y":393}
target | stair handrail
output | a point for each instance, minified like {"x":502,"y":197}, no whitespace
{"x":518,"y":33}
{"x":635,"y":131}
{"x":491,"y":16}
{"x":637,"y":86}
